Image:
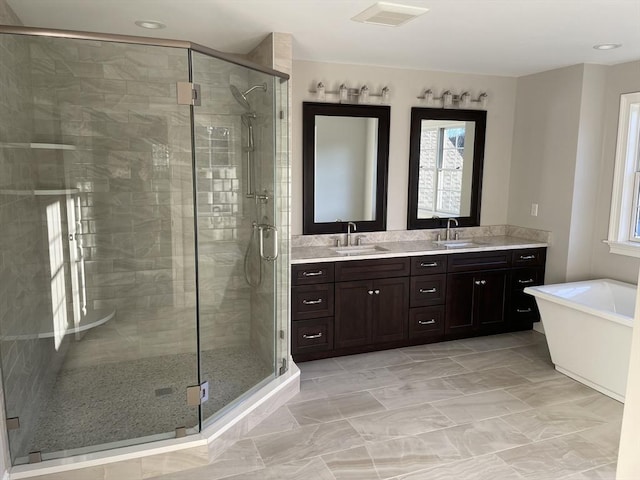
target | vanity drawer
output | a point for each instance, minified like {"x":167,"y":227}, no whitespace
{"x":529,"y":257}
{"x":523,"y":308}
{"x":428,"y":290}
{"x":426,"y":322}
{"x":526,"y":277}
{"x":469,"y":262}
{"x":428,"y":265}
{"x":370,"y":269}
{"x":312,"y":335}
{"x":310,"y":273}
{"x":312,"y":301}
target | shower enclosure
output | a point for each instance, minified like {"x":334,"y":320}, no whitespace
{"x":143,"y":238}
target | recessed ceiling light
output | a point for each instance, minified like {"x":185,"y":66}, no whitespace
{"x":152,"y":24}
{"x":389,"y":14}
{"x":607,"y":46}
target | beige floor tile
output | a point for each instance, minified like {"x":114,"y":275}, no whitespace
{"x":548,"y":392}
{"x":485,"y":380}
{"x":409,"y":454}
{"x":605,"y":472}
{"x":553,"y":421}
{"x":369,"y":361}
{"x":496,"y":342}
{"x":307,"y":469}
{"x":487,"y":467}
{"x":308,"y":441}
{"x":480,"y":406}
{"x":416,"y":371}
{"x":604,"y":407}
{"x":414,"y":393}
{"x":309,"y":390}
{"x":433,"y":351}
{"x":483,"y":437}
{"x":352,"y":464}
{"x":535,"y":370}
{"x":400,"y":422}
{"x":356,"y":381}
{"x":319,"y":368}
{"x":279,"y":421}
{"x":490,"y":359}
{"x":335,"y":408}
{"x":555,"y":458}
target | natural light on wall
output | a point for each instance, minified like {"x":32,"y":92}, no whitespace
{"x":56,"y":262}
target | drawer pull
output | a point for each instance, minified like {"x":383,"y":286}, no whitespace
{"x":523,"y":310}
{"x":377,"y":292}
{"x":370,"y":292}
{"x":525,"y":282}
{"x":311,"y":337}
{"x":428,"y":290}
{"x":527,"y":257}
{"x":312,"y":302}
{"x":480,"y":282}
{"x":429,"y":322}
{"x":312,"y":274}
{"x":430,"y":264}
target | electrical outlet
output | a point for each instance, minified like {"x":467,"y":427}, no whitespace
{"x":534,"y":209}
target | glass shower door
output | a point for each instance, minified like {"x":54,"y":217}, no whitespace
{"x":237,"y":241}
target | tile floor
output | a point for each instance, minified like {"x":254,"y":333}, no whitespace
{"x":484,"y":408}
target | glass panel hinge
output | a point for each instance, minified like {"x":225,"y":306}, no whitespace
{"x":197,"y":394}
{"x":35,"y":457}
{"x":188,"y":93}
{"x":283,"y":367}
{"x":13,"y":423}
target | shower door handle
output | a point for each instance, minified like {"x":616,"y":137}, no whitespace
{"x":261,"y":228}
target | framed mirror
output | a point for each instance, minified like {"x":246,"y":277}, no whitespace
{"x":445,"y":166}
{"x":345,"y":162}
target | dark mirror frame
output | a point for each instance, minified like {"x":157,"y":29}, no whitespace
{"x":418,"y":114}
{"x":309,"y":112}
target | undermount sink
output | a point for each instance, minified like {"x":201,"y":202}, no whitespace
{"x":359,"y":249}
{"x":457,"y":243}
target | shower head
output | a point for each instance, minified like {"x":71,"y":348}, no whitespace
{"x":241,"y":97}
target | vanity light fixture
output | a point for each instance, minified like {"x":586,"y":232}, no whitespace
{"x":607,"y":46}
{"x":151,"y":24}
{"x":345,"y":94}
{"x":449,"y":99}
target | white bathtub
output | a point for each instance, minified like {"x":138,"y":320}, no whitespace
{"x":588,"y":328}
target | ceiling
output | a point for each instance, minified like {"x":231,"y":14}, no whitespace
{"x":495,"y":37}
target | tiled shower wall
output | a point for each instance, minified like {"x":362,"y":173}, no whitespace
{"x":29,"y":364}
{"x":116,"y":104}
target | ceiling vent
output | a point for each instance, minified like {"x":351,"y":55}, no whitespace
{"x":389,"y":14}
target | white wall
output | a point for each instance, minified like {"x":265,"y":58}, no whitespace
{"x":623,"y":78}
{"x":405,"y":86}
{"x":544,"y":158}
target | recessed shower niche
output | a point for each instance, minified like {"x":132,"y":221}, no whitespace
{"x":132,"y":273}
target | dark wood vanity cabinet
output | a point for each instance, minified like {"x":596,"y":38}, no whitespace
{"x":372,"y":301}
{"x":364,"y":305}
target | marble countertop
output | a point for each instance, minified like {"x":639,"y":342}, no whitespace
{"x":411,"y":248}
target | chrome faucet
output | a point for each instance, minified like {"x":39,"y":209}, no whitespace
{"x":449,"y":220}
{"x":349,"y":232}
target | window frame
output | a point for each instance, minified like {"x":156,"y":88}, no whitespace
{"x":625,"y":197}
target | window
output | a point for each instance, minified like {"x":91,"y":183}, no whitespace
{"x":441,"y":162}
{"x":624,"y":226}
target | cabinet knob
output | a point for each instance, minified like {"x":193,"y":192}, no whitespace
{"x":480,"y":282}
{"x":377,"y":292}
{"x":312,"y":302}
{"x":311,"y":337}
{"x":428,"y":290}
{"x":370,"y":292}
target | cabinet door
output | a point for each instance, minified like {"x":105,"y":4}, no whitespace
{"x":390,"y":310}
{"x":460,"y":304}
{"x":353,"y":301}
{"x":490,"y":297}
